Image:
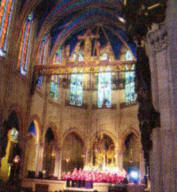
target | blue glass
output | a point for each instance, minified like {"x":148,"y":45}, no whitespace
{"x":105,"y":89}
{"x":32,"y":129}
{"x":24,"y":45}
{"x":6,"y":8}
{"x":130,"y":86}
{"x":39,"y":82}
{"x":42,"y":57}
{"x":76,"y":89}
{"x":58,"y":56}
{"x":54,"y":86}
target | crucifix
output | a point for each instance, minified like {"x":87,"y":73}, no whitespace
{"x":87,"y":38}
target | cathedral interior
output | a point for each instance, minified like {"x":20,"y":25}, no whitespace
{"x":88,"y":95}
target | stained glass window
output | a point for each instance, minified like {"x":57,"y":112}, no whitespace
{"x":58,"y":56}
{"x":76,"y":89}
{"x":128,"y":56}
{"x":42,"y":50}
{"x":54,"y":86}
{"x":42,"y":57}
{"x":104,"y":89}
{"x":32,"y":129}
{"x":24,"y":45}
{"x":6,"y":7}
{"x":130,"y":85}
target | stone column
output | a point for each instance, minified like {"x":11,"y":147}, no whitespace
{"x":119,"y":159}
{"x":39,"y":158}
{"x":57,"y":164}
{"x":167,"y":153}
{"x":163,"y":43}
{"x":88,"y":157}
{"x":171,"y":17}
{"x":142,"y":167}
{"x":155,"y":162}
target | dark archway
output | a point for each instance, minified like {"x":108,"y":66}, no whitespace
{"x":12,"y":121}
{"x":131,"y":157}
{"x":49,"y":153}
{"x":72,"y":153}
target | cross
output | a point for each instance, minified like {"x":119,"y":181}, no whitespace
{"x":87,"y":37}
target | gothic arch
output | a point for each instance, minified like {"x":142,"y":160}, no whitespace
{"x":74,"y":131}
{"x":61,"y":12}
{"x":126,"y":133}
{"x":108,"y":133}
{"x":53,"y":128}
{"x":50,"y":150}
{"x":20,"y":115}
{"x":35,"y":118}
{"x":72,"y":151}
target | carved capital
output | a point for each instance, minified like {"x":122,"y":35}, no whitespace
{"x":158,"y":38}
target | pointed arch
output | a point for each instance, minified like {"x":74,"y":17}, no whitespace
{"x":76,"y":132}
{"x":126,"y":133}
{"x":6,"y":9}
{"x":23,"y":56}
{"x":72,"y":152}
{"x":42,"y":57}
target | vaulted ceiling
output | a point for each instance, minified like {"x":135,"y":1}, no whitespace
{"x":64,"y":20}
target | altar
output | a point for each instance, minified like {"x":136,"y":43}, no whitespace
{"x":45,"y":185}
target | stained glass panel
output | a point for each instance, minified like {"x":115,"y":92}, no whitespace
{"x":39,"y":82}
{"x":104,"y":89}
{"x":76,"y":89}
{"x":24,"y":45}
{"x":42,"y":57}
{"x":32,"y":129}
{"x":58,"y":56}
{"x":42,"y":50}
{"x":130,"y":85}
{"x":54,"y":86}
{"x":128,"y":56}
{"x":6,"y":7}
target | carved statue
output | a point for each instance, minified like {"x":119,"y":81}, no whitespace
{"x":87,"y":37}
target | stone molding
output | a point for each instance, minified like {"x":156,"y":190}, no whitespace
{"x":158,"y":38}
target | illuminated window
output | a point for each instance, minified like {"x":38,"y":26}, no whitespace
{"x":42,"y":50}
{"x":6,"y":7}
{"x":76,"y":89}
{"x":58,"y":56}
{"x":42,"y":57}
{"x":104,"y":89}
{"x":32,"y":129}
{"x":54,"y":86}
{"x":128,"y":56}
{"x":24,"y":45}
{"x":130,"y":85}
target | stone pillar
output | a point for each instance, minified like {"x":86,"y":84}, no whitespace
{"x":142,"y":167}
{"x":39,"y":158}
{"x":119,"y":159}
{"x":163,"y":43}
{"x":57,"y":164}
{"x":171,"y":17}
{"x":87,"y":157}
{"x":155,"y":162}
{"x":167,"y":153}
